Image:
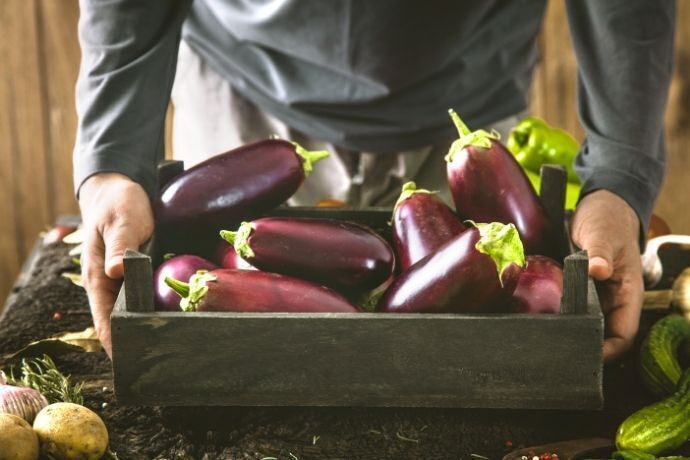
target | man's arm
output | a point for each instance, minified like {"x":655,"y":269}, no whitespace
{"x":129,"y":52}
{"x":624,"y":53}
{"x":624,"y":50}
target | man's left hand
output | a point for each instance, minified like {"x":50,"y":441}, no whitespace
{"x":608,"y":229}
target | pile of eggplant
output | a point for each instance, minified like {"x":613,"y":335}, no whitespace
{"x":491,"y":254}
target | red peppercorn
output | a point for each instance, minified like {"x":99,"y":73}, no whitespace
{"x":57,"y":316}
{"x":509,"y":444}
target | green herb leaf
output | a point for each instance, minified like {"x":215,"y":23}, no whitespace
{"x":42,"y":375}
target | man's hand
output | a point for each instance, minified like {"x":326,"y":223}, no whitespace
{"x":608,"y":228}
{"x":116,"y":215}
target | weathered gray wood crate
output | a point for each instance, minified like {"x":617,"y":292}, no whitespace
{"x":367,"y":359}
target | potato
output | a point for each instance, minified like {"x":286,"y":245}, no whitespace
{"x":71,"y":432}
{"x":17,"y":440}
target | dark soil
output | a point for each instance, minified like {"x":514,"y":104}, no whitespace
{"x":289,"y":433}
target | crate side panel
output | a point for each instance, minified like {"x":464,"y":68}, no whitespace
{"x":374,"y":361}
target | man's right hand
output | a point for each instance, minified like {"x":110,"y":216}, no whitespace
{"x":116,"y":214}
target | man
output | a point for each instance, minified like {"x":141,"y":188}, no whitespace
{"x":374,"y":80}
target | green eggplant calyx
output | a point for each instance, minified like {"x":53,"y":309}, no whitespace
{"x":240,"y":239}
{"x":478,"y":138}
{"x":309,"y":157}
{"x":370,"y":300}
{"x":409,"y":189}
{"x":197,"y":290}
{"x":180,"y":287}
{"x":502,"y":243}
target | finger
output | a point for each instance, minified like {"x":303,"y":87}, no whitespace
{"x":600,"y":254}
{"x":620,"y":336}
{"x":600,"y":268}
{"x":118,"y":237}
{"x":622,"y":320}
{"x":591,"y":233}
{"x":100,"y":289}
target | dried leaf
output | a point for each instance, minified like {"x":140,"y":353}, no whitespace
{"x":76,"y":237}
{"x":50,"y":347}
{"x":77,"y":250}
{"x":84,"y":341}
{"x":75,"y":278}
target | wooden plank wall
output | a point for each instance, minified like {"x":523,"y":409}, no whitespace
{"x":40,"y":58}
{"x":37,"y":123}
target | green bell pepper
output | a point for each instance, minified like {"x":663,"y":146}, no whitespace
{"x":534,"y":143}
{"x":572,"y":191}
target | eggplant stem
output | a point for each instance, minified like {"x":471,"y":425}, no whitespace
{"x":180,"y":287}
{"x":462,"y":128}
{"x":309,"y":157}
{"x":240,"y":240}
{"x":197,"y":290}
{"x":478,"y":138}
{"x":409,"y":189}
{"x":228,"y":236}
{"x":502,"y":243}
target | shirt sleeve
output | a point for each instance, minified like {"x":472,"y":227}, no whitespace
{"x":129,"y":53}
{"x":624,"y":51}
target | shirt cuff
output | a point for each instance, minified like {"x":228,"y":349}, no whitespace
{"x":632,"y":175}
{"x":132,"y":166}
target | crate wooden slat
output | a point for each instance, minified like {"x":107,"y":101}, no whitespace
{"x":367,"y":359}
{"x":361,"y":359}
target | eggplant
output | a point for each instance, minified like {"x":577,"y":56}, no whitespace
{"x":540,"y":286}
{"x":469,"y":274}
{"x":488,"y":185}
{"x":226,"y":257}
{"x":345,"y":256}
{"x":235,"y":186}
{"x":422,"y":223}
{"x":256,"y":291}
{"x":180,"y":267}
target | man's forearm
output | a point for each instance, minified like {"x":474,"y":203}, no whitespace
{"x":624,"y":52}
{"x":129,"y":52}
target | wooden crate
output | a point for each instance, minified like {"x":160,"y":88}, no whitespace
{"x":365,"y":359}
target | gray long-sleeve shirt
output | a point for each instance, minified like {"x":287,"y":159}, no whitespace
{"x":378,"y":75}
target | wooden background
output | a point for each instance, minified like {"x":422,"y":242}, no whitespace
{"x":40,"y":58}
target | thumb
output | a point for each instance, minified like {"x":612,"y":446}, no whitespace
{"x":600,"y":253}
{"x":117,"y":239}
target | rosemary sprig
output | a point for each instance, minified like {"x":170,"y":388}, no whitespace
{"x":41,"y":374}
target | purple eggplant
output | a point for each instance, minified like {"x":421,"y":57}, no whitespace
{"x":256,"y":291}
{"x":539,"y":287}
{"x":180,"y":267}
{"x":421,"y":224}
{"x":235,"y":185}
{"x":226,"y":257}
{"x":488,"y":184}
{"x":345,"y":256}
{"x":469,"y":274}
